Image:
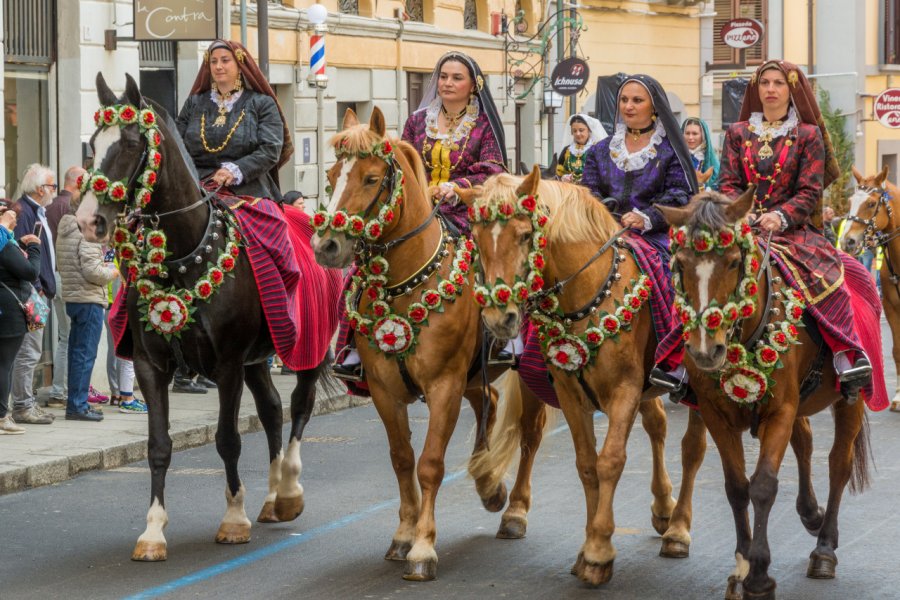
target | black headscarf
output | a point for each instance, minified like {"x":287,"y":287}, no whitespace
{"x":482,"y":92}
{"x":665,"y":118}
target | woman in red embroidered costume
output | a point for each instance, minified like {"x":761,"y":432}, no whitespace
{"x":781,"y":145}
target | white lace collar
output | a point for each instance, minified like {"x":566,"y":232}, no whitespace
{"x":633,"y":162}
{"x":462,"y":129}
{"x":229,"y":102}
{"x":758,"y":125}
{"x":576,"y":150}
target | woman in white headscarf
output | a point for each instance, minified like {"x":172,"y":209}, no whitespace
{"x":582,"y":132}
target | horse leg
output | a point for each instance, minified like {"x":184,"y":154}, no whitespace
{"x":268,"y":407}
{"x":235,"y":526}
{"x":811,"y":514}
{"x":514,"y":522}
{"x":151,"y":545}
{"x":677,"y":538}
{"x":395,"y":418}
{"x":653,"y":420}
{"x":891,"y":303}
{"x":774,"y":436}
{"x":491,"y":489}
{"x":848,"y":454}
{"x":443,"y":406}
{"x":737,"y":489}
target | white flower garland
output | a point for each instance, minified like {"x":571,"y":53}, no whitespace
{"x":633,"y":162}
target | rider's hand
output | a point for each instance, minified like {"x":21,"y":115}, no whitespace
{"x":769,"y":222}
{"x":633,"y":220}
{"x":223,"y":177}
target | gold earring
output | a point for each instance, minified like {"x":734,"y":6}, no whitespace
{"x":240,"y":83}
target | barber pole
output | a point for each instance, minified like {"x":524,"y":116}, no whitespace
{"x":317,"y":55}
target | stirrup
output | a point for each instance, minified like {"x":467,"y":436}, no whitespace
{"x":352,"y":373}
{"x":861,"y":371}
{"x":675,"y":387}
{"x":500,"y":358}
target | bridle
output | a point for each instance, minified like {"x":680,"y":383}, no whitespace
{"x":873,"y":238}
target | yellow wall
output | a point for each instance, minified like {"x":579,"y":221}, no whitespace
{"x":796,"y":38}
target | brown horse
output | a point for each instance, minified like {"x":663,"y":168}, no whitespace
{"x":874,"y":220}
{"x":417,"y":330}
{"x":615,"y":380}
{"x":711,"y":275}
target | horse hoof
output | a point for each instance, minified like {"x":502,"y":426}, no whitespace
{"x":150,"y":552}
{"x":767,"y":594}
{"x":512,"y":528}
{"x":594,"y":574}
{"x":424,"y":570}
{"x":815,"y":524}
{"x":288,"y":509}
{"x":267,"y":514}
{"x":821,"y":566}
{"x":579,"y":564}
{"x":398,"y":550}
{"x":733,"y":590}
{"x":674,"y":549}
{"x":497,"y":501}
{"x":660,"y":524}
{"x":233,"y":533}
{"x":895,"y":406}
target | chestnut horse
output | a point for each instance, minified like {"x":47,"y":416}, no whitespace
{"x":708,"y":278}
{"x":874,"y":217}
{"x":508,"y":212}
{"x":416,"y":328}
{"x":229,"y":339}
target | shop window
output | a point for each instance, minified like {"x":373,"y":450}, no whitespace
{"x":158,"y":75}
{"x":25,"y":113}
{"x":415,"y":88}
{"x":726,"y":10}
{"x":891,"y":32}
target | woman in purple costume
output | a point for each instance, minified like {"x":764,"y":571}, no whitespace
{"x":459,"y":135}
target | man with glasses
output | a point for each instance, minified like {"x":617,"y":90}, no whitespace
{"x":38,"y":189}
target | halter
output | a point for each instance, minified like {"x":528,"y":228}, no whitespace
{"x":872,"y":237}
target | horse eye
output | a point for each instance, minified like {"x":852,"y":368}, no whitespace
{"x":870,"y":204}
{"x":371,"y":179}
{"x":525,"y":238}
{"x":734,"y":264}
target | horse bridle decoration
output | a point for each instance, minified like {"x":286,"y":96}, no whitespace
{"x":871,"y":237}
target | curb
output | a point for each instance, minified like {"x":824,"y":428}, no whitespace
{"x":57,"y":469}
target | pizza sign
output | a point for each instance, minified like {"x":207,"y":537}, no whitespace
{"x":742,"y":33}
{"x":887,"y":108}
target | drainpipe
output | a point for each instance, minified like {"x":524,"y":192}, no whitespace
{"x":399,"y":74}
{"x":810,"y":24}
{"x":244,"y":23}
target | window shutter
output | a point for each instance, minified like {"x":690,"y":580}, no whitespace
{"x":722,"y":53}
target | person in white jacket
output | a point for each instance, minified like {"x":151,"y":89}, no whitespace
{"x":84,"y":276}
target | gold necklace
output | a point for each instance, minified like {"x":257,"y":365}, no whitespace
{"x":765,"y":151}
{"x":227,"y":138}
{"x":453,"y":120}
{"x":222,"y":102}
{"x":637,"y":133}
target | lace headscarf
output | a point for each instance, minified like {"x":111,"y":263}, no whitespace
{"x":596,"y":128}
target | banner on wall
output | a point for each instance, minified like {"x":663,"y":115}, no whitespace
{"x":176,"y":20}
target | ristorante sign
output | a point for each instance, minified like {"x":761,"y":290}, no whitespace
{"x":174,"y":20}
{"x":742,"y":33}
{"x":887,"y":108}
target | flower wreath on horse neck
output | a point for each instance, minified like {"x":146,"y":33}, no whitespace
{"x":567,"y":351}
{"x":747,"y":375}
{"x":388,"y":331}
{"x":166,"y":310}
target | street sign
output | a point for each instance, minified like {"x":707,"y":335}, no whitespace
{"x":887,"y":108}
{"x":570,"y":76}
{"x":742,"y":33}
{"x":172,"y":20}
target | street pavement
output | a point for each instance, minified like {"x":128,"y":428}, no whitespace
{"x":73,"y":540}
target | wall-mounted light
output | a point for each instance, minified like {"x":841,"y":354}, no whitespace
{"x":553,"y":100}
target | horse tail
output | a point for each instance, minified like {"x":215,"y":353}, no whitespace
{"x":862,"y":455}
{"x":490,"y":465}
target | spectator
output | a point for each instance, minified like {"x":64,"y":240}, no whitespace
{"x":119,"y":371}
{"x":38,"y":188}
{"x":55,"y":212}
{"x":828,"y":225}
{"x":295,"y":198}
{"x":84,"y":276}
{"x":16,"y":273}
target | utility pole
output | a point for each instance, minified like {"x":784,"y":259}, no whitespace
{"x":262,"y":16}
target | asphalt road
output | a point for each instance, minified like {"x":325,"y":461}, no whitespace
{"x":74,"y":540}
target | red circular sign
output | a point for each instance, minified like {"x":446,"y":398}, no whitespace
{"x":742,"y":33}
{"x":887,"y":108}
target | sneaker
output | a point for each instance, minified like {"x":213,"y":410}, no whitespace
{"x":187,"y":386}
{"x":133,"y":406}
{"x":88,"y":415}
{"x":95,"y":397}
{"x":206,"y":382}
{"x":9,"y":427}
{"x":56,"y":402}
{"x":32,"y":415}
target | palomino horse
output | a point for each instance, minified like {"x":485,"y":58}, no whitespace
{"x":416,"y":329}
{"x":716,"y":261}
{"x":137,"y":150}
{"x":875,"y":222}
{"x":529,"y":231}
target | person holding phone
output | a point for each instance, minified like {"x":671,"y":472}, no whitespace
{"x":38,"y":189}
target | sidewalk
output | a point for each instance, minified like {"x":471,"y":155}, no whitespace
{"x":47,"y":454}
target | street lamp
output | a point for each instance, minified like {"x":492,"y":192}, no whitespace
{"x":553,"y":101}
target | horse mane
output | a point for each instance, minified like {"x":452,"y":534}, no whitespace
{"x":169,"y":128}
{"x":574,"y":214}
{"x":360,"y":139}
{"x":709,"y":212}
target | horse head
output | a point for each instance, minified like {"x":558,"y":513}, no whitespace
{"x":505,"y":213}
{"x":120,"y":151}
{"x":714,"y":268}
{"x":870,"y":211}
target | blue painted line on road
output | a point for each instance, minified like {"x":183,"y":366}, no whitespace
{"x":294,"y":540}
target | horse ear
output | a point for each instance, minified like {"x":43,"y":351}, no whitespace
{"x":707,"y":174}
{"x":741,"y":206}
{"x":857,"y":175}
{"x":350,"y":119}
{"x":104,"y":94}
{"x":882,"y":176}
{"x":376,"y":123}
{"x":529,"y":185}
{"x":676,"y":216}
{"x":468,"y":195}
{"x":132,"y":91}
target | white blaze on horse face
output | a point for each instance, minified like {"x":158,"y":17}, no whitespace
{"x":157,"y":519}
{"x":496,"y":230}
{"x":856,"y":201}
{"x":89,"y":204}
{"x":340,"y":183}
{"x":705,"y":270}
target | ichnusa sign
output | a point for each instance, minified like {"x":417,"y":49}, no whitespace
{"x":887,"y":108}
{"x":570,"y":76}
{"x":176,"y":20}
{"x":742,"y":33}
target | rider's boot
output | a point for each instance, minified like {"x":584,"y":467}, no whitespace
{"x":347,"y":365}
{"x":675,"y":382}
{"x":852,"y":377}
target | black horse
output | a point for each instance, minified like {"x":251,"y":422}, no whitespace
{"x":228,"y":338}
